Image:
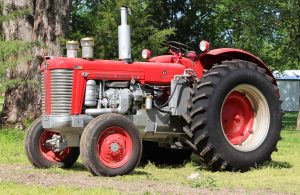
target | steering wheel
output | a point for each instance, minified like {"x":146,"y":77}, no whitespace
{"x":179,"y":47}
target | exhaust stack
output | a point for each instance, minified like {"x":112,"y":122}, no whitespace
{"x":124,"y":36}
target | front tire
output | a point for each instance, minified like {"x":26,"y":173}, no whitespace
{"x":42,"y":157}
{"x":234,"y":116}
{"x":110,"y":145}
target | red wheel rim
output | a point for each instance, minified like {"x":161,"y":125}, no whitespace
{"x":47,"y":152}
{"x":114,"y":147}
{"x":237,"y":118}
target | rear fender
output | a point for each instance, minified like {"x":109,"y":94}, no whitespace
{"x":216,"y":56}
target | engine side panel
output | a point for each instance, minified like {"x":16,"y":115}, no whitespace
{"x":83,"y":70}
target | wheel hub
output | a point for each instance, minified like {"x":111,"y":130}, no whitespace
{"x":48,"y":148}
{"x":237,"y":117}
{"x":114,"y":147}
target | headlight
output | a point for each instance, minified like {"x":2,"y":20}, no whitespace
{"x":204,"y":45}
{"x":146,"y":54}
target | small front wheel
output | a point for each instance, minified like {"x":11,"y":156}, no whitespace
{"x":42,"y":156}
{"x":110,"y":145}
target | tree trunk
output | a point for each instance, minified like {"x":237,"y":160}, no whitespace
{"x":42,"y":26}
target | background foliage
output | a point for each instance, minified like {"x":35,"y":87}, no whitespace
{"x":268,"y":29}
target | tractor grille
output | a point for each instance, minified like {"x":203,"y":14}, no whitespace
{"x":43,"y":93}
{"x":61,"y":91}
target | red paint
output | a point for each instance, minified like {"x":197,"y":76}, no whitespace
{"x":218,"y":55}
{"x":156,"y":73}
{"x":237,"y":118}
{"x":114,"y":147}
{"x":79,"y":84}
{"x":159,"y":71}
{"x":49,"y":154}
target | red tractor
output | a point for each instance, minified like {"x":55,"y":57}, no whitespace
{"x":222,"y":104}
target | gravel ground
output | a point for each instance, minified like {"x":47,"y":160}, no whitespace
{"x":27,"y":175}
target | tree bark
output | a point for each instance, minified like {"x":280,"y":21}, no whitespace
{"x":45,"y":22}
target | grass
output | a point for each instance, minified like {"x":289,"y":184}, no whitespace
{"x":290,"y":120}
{"x":15,"y":188}
{"x":11,"y":146}
{"x":282,"y":174}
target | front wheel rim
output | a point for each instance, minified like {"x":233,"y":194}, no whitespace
{"x":245,"y":118}
{"x":114,"y":147}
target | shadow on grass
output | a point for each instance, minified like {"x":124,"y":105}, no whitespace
{"x":135,"y":172}
{"x":269,"y":164}
{"x":277,"y":165}
{"x":78,"y":167}
{"x":164,"y":165}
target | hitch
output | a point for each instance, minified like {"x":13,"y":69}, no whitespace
{"x":56,"y":143}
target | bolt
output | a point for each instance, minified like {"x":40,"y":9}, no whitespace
{"x":237,"y":118}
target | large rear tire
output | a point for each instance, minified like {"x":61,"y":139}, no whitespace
{"x":42,"y":157}
{"x":110,"y":145}
{"x":234,"y":116}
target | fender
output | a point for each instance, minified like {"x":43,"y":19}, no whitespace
{"x":218,"y":55}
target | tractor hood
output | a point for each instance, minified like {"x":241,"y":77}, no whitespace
{"x":146,"y":72}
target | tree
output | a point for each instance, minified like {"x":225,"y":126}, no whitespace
{"x":35,"y":27}
{"x":192,"y":20}
{"x":290,"y":33}
{"x":100,"y":19}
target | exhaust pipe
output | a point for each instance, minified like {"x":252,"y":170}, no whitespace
{"x":124,"y":36}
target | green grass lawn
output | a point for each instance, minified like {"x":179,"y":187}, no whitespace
{"x":14,"y":188}
{"x":290,"y":120}
{"x":282,"y":174}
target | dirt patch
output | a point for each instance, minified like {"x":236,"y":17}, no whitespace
{"x":29,"y":176}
